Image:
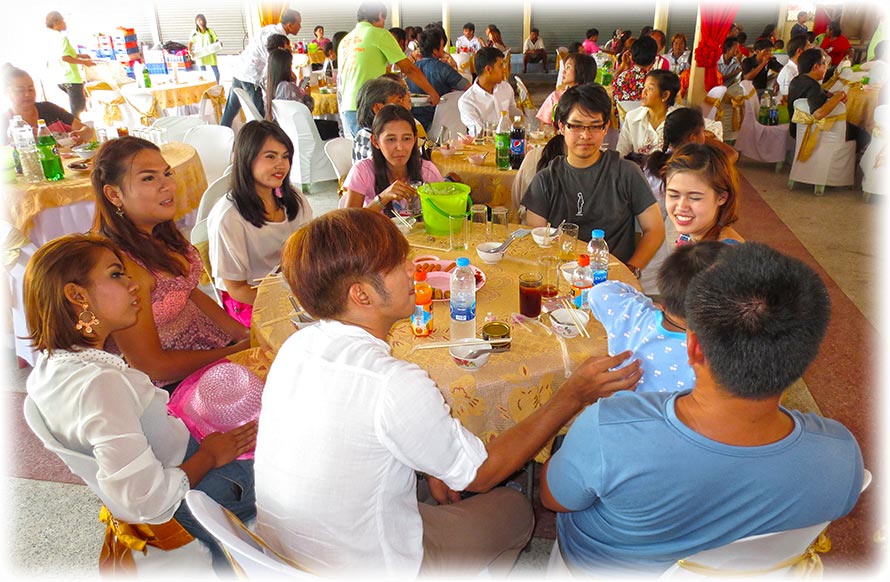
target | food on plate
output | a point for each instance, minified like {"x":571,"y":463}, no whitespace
{"x":440,"y":294}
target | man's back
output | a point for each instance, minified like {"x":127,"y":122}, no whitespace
{"x":646,"y":490}
{"x":363,"y":55}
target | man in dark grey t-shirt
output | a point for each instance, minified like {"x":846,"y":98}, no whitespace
{"x":595,"y":188}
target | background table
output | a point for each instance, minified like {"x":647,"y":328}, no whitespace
{"x":488,"y":185}
{"x":861,"y":103}
{"x":48,"y":210}
{"x":513,"y":383}
{"x":325,"y":103}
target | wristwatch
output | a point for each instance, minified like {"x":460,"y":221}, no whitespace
{"x":379,"y":201}
{"x":635,"y":270}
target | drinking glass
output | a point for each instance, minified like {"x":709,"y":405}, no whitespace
{"x":488,"y":132}
{"x":568,"y":236}
{"x":499,"y":223}
{"x":530,"y":294}
{"x":548,"y":266}
{"x":479,"y":221}
{"x":445,"y":137}
{"x":458,"y":232}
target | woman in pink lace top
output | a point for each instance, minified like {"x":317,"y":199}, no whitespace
{"x":185,"y":329}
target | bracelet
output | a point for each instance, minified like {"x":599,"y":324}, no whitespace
{"x":379,"y":201}
{"x":635,"y":270}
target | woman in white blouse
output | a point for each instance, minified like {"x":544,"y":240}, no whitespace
{"x":77,"y":293}
{"x":642,"y":128}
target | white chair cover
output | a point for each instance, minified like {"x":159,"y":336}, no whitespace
{"x":310,"y":162}
{"x":247,"y":106}
{"x":206,"y":109}
{"x":832,"y":163}
{"x":447,"y":114}
{"x":177,"y":127}
{"x":339,"y":152}
{"x":214,"y":144}
{"x":248,"y":552}
{"x":463,"y":64}
{"x":763,"y":143}
{"x":713,"y":102}
{"x":875,"y":178}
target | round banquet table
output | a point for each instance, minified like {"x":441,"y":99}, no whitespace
{"x":512,"y":384}
{"x":48,"y":210}
{"x":325,"y":103}
{"x":170,"y":95}
{"x":861,"y":103}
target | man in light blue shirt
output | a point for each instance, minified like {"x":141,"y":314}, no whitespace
{"x":643,"y":480}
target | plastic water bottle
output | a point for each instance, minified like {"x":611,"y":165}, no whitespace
{"x":48,"y":153}
{"x":502,"y":142}
{"x":463,"y":301}
{"x":422,"y":319}
{"x":22,"y":138}
{"x":582,"y":281}
{"x":517,"y":143}
{"x":598,"y":250}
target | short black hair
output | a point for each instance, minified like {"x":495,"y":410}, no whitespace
{"x":573,"y":48}
{"x":763,"y":43}
{"x":485,"y":57}
{"x":645,"y":30}
{"x":835,"y":27}
{"x":759,"y":317}
{"x":590,"y":97}
{"x":679,"y":268}
{"x":370,"y":11}
{"x":809,"y":59}
{"x":399,"y":33}
{"x":644,"y":51}
{"x":276,"y":41}
{"x":591,"y":32}
{"x":730,"y":42}
{"x":667,"y":81}
{"x":743,"y":36}
{"x":796,"y":44}
{"x":430,"y":40}
{"x":535,"y":30}
{"x":470,"y":26}
{"x":375,"y":91}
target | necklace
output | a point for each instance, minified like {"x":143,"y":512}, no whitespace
{"x":664,"y":315}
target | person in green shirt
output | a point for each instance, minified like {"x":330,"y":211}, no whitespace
{"x":202,"y":38}
{"x":363,"y":55}
{"x":71,"y":80}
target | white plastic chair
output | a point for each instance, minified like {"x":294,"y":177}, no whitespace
{"x":762,"y":143}
{"x":110,"y":100}
{"x":250,"y":556}
{"x":462,"y":60}
{"x":339,"y":152}
{"x":447,"y":114}
{"x":206,"y":109}
{"x":749,"y":555}
{"x":214,"y":144}
{"x":247,"y":105}
{"x":833,"y":160}
{"x":144,"y":108}
{"x":177,"y":127}
{"x":310,"y":162}
{"x":200,"y":238}
{"x":193,"y":557}
{"x":712,"y":103}
{"x":874,"y":160}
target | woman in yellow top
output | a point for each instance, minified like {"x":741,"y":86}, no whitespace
{"x":200,"y":40}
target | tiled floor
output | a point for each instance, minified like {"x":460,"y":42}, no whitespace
{"x":52,"y":529}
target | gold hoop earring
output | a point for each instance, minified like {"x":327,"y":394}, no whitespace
{"x":86,"y":319}
{"x":119,"y":210}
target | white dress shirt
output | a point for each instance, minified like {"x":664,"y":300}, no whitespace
{"x":786,"y":75}
{"x":240,"y":251}
{"x":477,"y":105}
{"x":638,"y":135}
{"x":95,"y":404}
{"x":472,"y":45}
{"x":251,"y":63}
{"x":343,"y":428}
{"x":528,"y":45}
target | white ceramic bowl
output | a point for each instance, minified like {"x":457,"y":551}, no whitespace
{"x":65,"y":141}
{"x":84,"y":153}
{"x":476,"y":159}
{"x":540,"y":236}
{"x":447,"y":152}
{"x":458,"y":354}
{"x":402,"y":228}
{"x":562,"y":323}
{"x":567,"y":270}
{"x":488,"y":257}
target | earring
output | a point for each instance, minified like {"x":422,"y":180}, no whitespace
{"x":119,"y":210}
{"x":86,"y":320}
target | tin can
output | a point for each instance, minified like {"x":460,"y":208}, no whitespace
{"x":496,"y":330}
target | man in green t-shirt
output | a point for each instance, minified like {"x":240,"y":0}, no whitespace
{"x":364,"y":54}
{"x":70,"y":80}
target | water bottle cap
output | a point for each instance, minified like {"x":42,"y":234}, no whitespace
{"x":598,"y":233}
{"x":463,"y":262}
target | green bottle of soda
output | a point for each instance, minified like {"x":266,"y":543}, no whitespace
{"x":48,"y":153}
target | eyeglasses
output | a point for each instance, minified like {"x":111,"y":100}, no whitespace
{"x":585,"y":128}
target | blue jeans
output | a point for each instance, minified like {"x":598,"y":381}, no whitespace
{"x":233,"y":106}
{"x":215,"y":70}
{"x":350,"y":123}
{"x":232,"y":487}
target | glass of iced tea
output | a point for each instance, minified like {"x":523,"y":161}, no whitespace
{"x":548,"y":266}
{"x":530,"y":294}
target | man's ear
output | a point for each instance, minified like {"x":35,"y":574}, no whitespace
{"x":358,"y":295}
{"x":693,"y":349}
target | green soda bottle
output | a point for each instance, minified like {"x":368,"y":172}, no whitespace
{"x":502,"y":142}
{"x":48,"y":153}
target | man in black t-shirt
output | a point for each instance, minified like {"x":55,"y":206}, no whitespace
{"x":594,"y":187}
{"x":756,"y":68}
{"x":807,"y":85}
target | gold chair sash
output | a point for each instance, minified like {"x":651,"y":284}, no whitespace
{"x":738,"y":109}
{"x":121,"y":538}
{"x":203,"y":248}
{"x":146,"y":118}
{"x":805,"y":565}
{"x":218,"y":101}
{"x":716,"y":104}
{"x":112,"y":111}
{"x":260,"y":542}
{"x":814,"y":126}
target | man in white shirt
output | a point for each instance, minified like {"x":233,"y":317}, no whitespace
{"x":533,"y":50}
{"x":489,"y":95}
{"x":345,"y":426}
{"x":796,"y":45}
{"x":251,"y":65}
{"x":468,"y":42}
